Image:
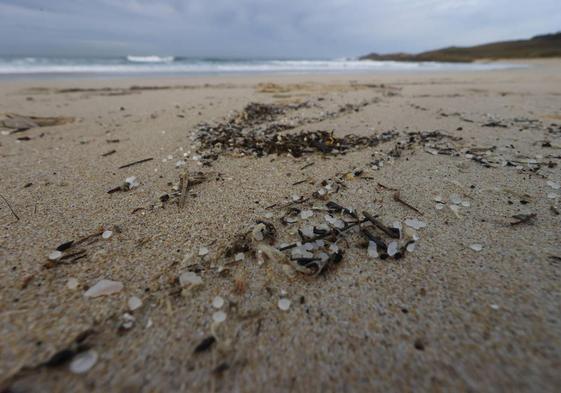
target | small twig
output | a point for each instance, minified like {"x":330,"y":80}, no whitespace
{"x":387,"y":188}
{"x":136,"y":162}
{"x":307,"y":166}
{"x":109,"y":153}
{"x":300,"y":182}
{"x":10,"y":207}
{"x":183,"y":185}
{"x":397,"y":198}
{"x":523,"y":219}
{"x":391,"y":232}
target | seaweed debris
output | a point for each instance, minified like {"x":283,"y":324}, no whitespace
{"x":251,"y":133}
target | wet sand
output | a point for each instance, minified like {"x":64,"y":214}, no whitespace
{"x":442,"y":317}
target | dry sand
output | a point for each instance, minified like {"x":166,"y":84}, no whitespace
{"x":442,"y":318}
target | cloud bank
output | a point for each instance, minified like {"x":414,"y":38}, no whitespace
{"x":264,"y":28}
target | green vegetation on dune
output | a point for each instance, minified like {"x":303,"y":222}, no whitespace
{"x":542,"y":46}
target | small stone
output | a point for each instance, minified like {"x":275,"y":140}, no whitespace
{"x":219,"y":316}
{"x":284,"y":304}
{"x":466,"y":204}
{"x":103,"y":288}
{"x":203,"y":251}
{"x":134,"y":303}
{"x":217,"y":302}
{"x":495,"y":306}
{"x":476,"y":247}
{"x":72,"y":284}
{"x":190,"y":278}
{"x":439,"y":206}
{"x":83,"y":362}
{"x":552,"y":195}
{"x":305,"y":214}
{"x":106,"y":234}
{"x":554,"y":185}
{"x":240,"y":256}
{"x":55,"y":255}
{"x":411,"y":247}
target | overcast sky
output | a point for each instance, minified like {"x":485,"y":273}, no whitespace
{"x":264,"y":28}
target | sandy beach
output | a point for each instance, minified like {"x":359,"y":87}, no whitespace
{"x":465,"y":164}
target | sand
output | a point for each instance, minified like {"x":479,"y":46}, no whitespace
{"x":442,"y":318}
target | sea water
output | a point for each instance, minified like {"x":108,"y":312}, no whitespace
{"x":11,"y":66}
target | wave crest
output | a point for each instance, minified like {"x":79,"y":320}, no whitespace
{"x":150,"y":59}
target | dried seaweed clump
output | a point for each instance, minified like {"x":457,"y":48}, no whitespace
{"x":246,"y":133}
{"x":434,"y":142}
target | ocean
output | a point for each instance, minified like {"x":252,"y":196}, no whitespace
{"x":23,"y":67}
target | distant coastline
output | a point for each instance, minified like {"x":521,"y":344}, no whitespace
{"x":542,"y":46}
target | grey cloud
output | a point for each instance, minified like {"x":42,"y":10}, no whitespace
{"x":264,"y":28}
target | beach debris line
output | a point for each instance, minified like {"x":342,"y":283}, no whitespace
{"x":247,"y":133}
{"x":321,"y":237}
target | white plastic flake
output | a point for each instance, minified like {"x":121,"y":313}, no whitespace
{"x":134,"y":303}
{"x":103,"y":288}
{"x":72,"y":284}
{"x":106,"y":234}
{"x":414,"y":223}
{"x":132,"y":182}
{"x":190,"y":278}
{"x":392,"y":248}
{"x":217,"y":302}
{"x":219,"y":316}
{"x":83,"y":362}
{"x":372,"y":249}
{"x":307,"y":231}
{"x":55,"y":255}
{"x":476,"y":247}
{"x":284,"y":304}
{"x":240,"y":256}
{"x":455,"y":199}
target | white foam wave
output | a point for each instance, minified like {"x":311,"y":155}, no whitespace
{"x":150,"y":59}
